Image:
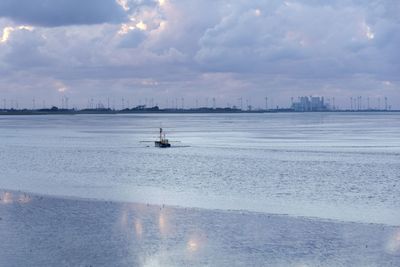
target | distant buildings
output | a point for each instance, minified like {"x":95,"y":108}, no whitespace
{"x":312,"y":103}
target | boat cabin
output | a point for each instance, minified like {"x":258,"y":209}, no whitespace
{"x":163,"y":142}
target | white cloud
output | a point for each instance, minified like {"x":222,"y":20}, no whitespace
{"x":123,"y":4}
{"x":61,"y":88}
{"x":8,"y":30}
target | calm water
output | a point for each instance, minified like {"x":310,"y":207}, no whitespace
{"x":331,"y":166}
{"x":51,"y":231}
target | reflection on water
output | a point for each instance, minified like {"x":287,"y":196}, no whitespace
{"x":9,"y":198}
{"x":196,"y":242}
{"x":24,"y":198}
{"x":170,"y":232}
{"x":6,"y":198}
{"x":178,"y":237}
{"x":393,"y":245}
{"x":84,"y":233}
{"x":124,"y":218}
{"x":192,"y":245}
{"x":138,"y":228}
{"x":162,"y":224}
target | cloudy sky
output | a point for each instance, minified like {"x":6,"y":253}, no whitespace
{"x":167,"y":50}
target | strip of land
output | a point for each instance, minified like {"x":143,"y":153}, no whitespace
{"x":156,"y":110}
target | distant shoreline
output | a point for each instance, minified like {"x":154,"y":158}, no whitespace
{"x":174,"y":111}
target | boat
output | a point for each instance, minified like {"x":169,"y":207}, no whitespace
{"x":163,"y":142}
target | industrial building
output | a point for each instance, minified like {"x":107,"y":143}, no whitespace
{"x":311,"y":103}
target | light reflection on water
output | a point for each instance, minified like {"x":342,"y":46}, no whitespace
{"x":7,"y":197}
{"x":393,"y":244}
{"x":138,"y":228}
{"x":170,"y":237}
{"x":148,"y":235}
{"x":24,"y":198}
{"x":196,"y":242}
{"x":162,"y":224}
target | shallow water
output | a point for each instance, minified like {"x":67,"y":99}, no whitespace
{"x":343,"y":166}
{"x":51,"y":231}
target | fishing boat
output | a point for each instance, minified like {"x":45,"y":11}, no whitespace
{"x":163,"y":142}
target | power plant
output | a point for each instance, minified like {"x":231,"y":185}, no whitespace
{"x":312,"y":103}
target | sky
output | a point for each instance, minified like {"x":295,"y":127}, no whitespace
{"x":124,"y":53}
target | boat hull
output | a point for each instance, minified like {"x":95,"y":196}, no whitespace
{"x":161,"y":144}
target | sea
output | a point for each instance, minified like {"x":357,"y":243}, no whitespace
{"x":330,"y":166}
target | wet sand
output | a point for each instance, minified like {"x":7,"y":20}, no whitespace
{"x":53,"y":231}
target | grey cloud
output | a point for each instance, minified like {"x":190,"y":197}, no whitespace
{"x":215,"y":48}
{"x":294,"y":39}
{"x":186,"y":23}
{"x":52,"y":13}
{"x":24,"y":51}
{"x":133,"y":38}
